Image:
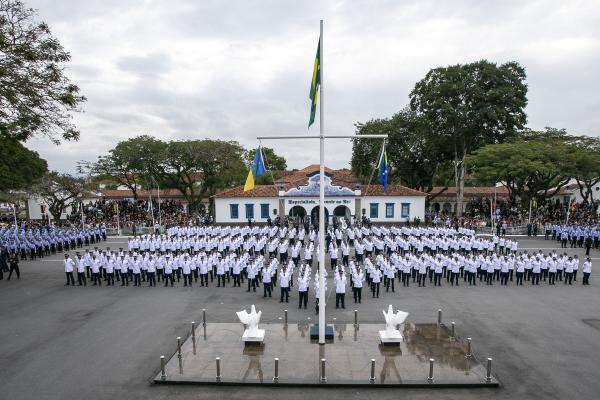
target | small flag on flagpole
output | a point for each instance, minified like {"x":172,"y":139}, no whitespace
{"x":256,"y":170}
{"x":314,"y":85}
{"x":383,"y":168}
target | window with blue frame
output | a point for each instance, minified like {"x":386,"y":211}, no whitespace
{"x":264,"y":211}
{"x":249,"y":211}
{"x":233,"y":211}
{"x":374,"y":210}
{"x":389,"y":210}
{"x":405,"y":210}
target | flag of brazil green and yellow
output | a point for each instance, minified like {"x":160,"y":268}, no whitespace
{"x":314,"y":85}
{"x":256,"y":170}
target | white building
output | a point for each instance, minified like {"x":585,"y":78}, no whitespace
{"x":296,"y":194}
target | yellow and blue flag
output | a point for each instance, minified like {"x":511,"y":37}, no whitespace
{"x":256,"y":170}
{"x":314,"y":85}
{"x":383,"y":169}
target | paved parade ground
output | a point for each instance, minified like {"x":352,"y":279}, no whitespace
{"x":59,"y":342}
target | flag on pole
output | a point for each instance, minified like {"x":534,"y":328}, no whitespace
{"x":314,"y":86}
{"x":256,"y":170}
{"x":383,"y":169}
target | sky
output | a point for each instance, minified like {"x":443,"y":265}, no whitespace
{"x":235,"y":70}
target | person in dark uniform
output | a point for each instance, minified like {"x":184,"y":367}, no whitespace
{"x":14,"y":266}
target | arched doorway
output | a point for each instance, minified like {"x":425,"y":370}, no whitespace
{"x":436,"y":207}
{"x":297,"y":214}
{"x":314,"y":215}
{"x":342,"y":215}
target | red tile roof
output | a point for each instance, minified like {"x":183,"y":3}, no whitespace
{"x":128,"y":193}
{"x":340,"y":177}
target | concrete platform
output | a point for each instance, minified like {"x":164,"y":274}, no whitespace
{"x":348,"y":360}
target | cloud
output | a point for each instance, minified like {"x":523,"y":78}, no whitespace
{"x":240,"y":69}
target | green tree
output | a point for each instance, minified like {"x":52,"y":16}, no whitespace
{"x":36,"y":97}
{"x":59,"y":191}
{"x":530,"y":168}
{"x":134,"y":163}
{"x":19,"y":166}
{"x":273,"y":164}
{"x":198,"y":168}
{"x":470,"y":106}
{"x":415,"y":153}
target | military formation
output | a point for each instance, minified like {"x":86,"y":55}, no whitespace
{"x":374,"y":258}
{"x":24,"y":242}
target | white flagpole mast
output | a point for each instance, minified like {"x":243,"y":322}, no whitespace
{"x":82,"y":219}
{"x":159,"y":217}
{"x":14,"y":207}
{"x":321,"y":138}
{"x":321,"y":199}
{"x":118,"y":221}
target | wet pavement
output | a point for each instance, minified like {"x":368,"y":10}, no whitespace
{"x":348,"y":358}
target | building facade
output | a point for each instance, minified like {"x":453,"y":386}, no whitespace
{"x":297,"y":195}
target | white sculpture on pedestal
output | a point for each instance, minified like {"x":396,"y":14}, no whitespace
{"x":391,"y":334}
{"x":252,"y":333}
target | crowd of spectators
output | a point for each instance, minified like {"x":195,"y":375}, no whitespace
{"x":139,"y":213}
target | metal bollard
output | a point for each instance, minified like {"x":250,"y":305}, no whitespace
{"x":285,"y":317}
{"x":488,"y":372}
{"x":439,"y":316}
{"x":453,"y":331}
{"x":204,"y":316}
{"x":372,"y":378}
{"x":323,"y":378}
{"x":193,"y":329}
{"x":355,"y":318}
{"x":468,"y":355}
{"x":276,"y":376}
{"x":179,"y":354}
{"x":430,"y":378}
{"x":218,"y":361}
{"x":163,"y":375}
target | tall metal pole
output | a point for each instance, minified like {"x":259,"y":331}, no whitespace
{"x":159,"y":217}
{"x":321,"y":201}
{"x":118,"y":220}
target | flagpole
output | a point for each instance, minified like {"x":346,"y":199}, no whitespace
{"x":118,"y":221}
{"x":82,"y":219}
{"x":321,"y":198}
{"x":14,"y":207}
{"x":159,"y":217}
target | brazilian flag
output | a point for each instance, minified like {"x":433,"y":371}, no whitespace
{"x":314,"y":85}
{"x":383,"y":169}
{"x":256,"y":170}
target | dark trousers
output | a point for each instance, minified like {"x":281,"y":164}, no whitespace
{"x":586,"y":278}
{"x":437,"y":278}
{"x":488,"y":278}
{"x":251,"y":283}
{"x":152,"y":279}
{"x":551,"y":278}
{"x":421,"y":278}
{"x":124,"y":279}
{"x":236,"y":280}
{"x":569,"y":278}
{"x":169,"y":277}
{"x":96,"y":278}
{"x":187,"y":279}
{"x":204,"y":279}
{"x":504,"y":278}
{"x":357,"y":294}
{"x":110,"y":278}
{"x":387,"y":285}
{"x":267,"y":289}
{"x":375,"y":289}
{"x":285,"y":291}
{"x":136,"y":279}
{"x":520,"y":278}
{"x":70,"y":279}
{"x":535,"y":280}
{"x":303,"y":299}
{"x":81,"y":279}
{"x":220,"y":278}
{"x":340,"y":297}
